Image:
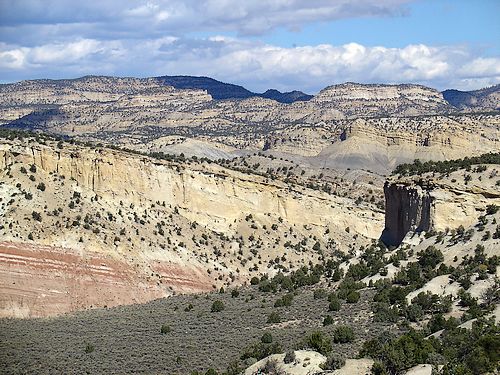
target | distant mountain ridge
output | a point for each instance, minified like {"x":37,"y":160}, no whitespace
{"x":488,"y":97}
{"x":221,"y":90}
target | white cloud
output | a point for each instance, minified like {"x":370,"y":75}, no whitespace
{"x":256,"y":65}
{"x":13,"y":59}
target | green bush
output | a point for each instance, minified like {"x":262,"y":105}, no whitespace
{"x":353,"y":296}
{"x":430,"y":257}
{"x":343,"y":334}
{"x":334,"y":305}
{"x":254,"y":280}
{"x":274,"y":317}
{"x":266,"y":338}
{"x":327,"y":320}
{"x":414,"y":313}
{"x":261,"y":350}
{"x":289,"y":356}
{"x":319,"y":294}
{"x":36,"y":216}
{"x":165,"y":328}
{"x":492,"y":209}
{"x":217,"y":306}
{"x":333,"y":362}
{"x":319,"y":342}
{"x":286,"y":300}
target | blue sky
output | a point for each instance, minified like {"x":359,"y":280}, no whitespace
{"x":432,"y":22}
{"x":284,"y":44}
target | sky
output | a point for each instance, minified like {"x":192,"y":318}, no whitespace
{"x":260,"y":44}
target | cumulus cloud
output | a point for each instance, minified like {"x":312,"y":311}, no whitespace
{"x":256,"y":65}
{"x":66,"y":38}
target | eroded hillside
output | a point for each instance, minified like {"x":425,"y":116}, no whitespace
{"x":102,"y":219}
{"x":344,"y":126}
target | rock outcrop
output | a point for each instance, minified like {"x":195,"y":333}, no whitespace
{"x":350,"y":125}
{"x":91,"y":226}
{"x":438,"y":202}
{"x":407,"y":208}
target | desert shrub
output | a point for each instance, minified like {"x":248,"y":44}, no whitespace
{"x":396,"y":355}
{"x":267,"y":338}
{"x":430,"y":257}
{"x":89,"y":348}
{"x":343,"y":334}
{"x":439,"y":322}
{"x":492,"y":209}
{"x":378,"y":368}
{"x":41,"y":186}
{"x":274,"y":317}
{"x":36,"y":216}
{"x":348,"y":285}
{"x":383,"y":312}
{"x":261,"y":350}
{"x":319,"y":294}
{"x":235,"y":293}
{"x":334,"y":305}
{"x":414,"y":313}
{"x":353,"y":296}
{"x":289,"y":356}
{"x":432,"y":303}
{"x":327,"y":320}
{"x":286,"y":300}
{"x":333,"y":362}
{"x":271,"y":367}
{"x":217,"y":306}
{"x":165,"y":328}
{"x":319,"y":342}
{"x":234,"y":368}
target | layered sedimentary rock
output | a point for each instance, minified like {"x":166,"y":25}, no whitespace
{"x":365,"y":100}
{"x":438,"y":202}
{"x":38,"y":280}
{"x":408,"y":208}
{"x":344,"y":126}
{"x":106,"y":224}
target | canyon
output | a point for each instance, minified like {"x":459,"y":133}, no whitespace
{"x":175,"y":209}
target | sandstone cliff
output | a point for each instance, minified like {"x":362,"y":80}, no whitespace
{"x":344,"y":126}
{"x":408,"y":208}
{"x":438,"y":202}
{"x":84,"y":227}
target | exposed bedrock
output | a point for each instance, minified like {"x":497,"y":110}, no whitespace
{"x":408,"y":208}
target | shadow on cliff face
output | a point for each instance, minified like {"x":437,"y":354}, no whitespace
{"x":407,"y":208}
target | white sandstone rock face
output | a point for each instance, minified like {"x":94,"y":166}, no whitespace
{"x":162,"y":226}
{"x":438,"y":203}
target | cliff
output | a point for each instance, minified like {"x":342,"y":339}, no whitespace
{"x":82,"y":227}
{"x":408,"y":208}
{"x":438,"y":202}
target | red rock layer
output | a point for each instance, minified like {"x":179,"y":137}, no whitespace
{"x":38,"y":281}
